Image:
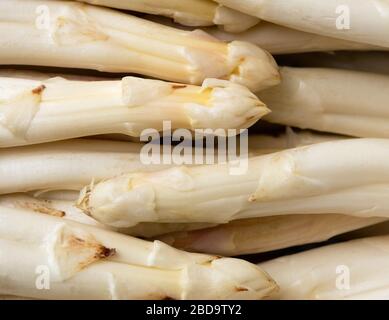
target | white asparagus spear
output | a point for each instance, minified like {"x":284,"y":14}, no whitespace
{"x":282,"y":40}
{"x":73,"y":164}
{"x":80,"y":266}
{"x":67,"y":209}
{"x":363,"y":21}
{"x":341,"y":177}
{"x":58,"y":109}
{"x":76,"y":35}
{"x":67,"y":165}
{"x":195,"y":13}
{"x":340,"y":101}
{"x":266,"y":234}
{"x":355,"y":270}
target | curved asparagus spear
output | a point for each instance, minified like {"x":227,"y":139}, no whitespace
{"x":266,"y":234}
{"x":363,"y":21}
{"x":76,"y":35}
{"x":195,"y":13}
{"x":350,"y":270}
{"x":282,"y":40}
{"x":83,"y":262}
{"x":346,"y":102}
{"x":344,"y":177}
{"x":57,"y":109}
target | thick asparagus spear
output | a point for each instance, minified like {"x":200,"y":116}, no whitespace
{"x":282,"y":40}
{"x":342,"y":177}
{"x":58,"y":109}
{"x":195,"y":13}
{"x":73,"y":164}
{"x":340,"y":101}
{"x":363,"y":21}
{"x":83,"y":262}
{"x":266,"y":234}
{"x":351,"y":270}
{"x":76,"y":35}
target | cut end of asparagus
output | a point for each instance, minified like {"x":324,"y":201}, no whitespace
{"x":252,"y":66}
{"x":233,"y":21}
{"x":226,"y":278}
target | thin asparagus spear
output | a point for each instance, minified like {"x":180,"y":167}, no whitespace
{"x":341,"y":177}
{"x":363,"y":21}
{"x":266,"y":234}
{"x":339,"y":101}
{"x":352,"y":270}
{"x":57,"y":109}
{"x":282,"y":40}
{"x":195,"y":13}
{"x":90,"y":263}
{"x":76,"y":35}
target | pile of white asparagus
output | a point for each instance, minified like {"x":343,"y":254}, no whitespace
{"x":84,"y":216}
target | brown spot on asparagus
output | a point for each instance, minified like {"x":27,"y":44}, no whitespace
{"x":106,"y":253}
{"x":241,"y":289}
{"x":39,"y":89}
{"x":42,"y":207}
{"x":168,"y":298}
{"x":101,"y":252}
{"x":179,"y":86}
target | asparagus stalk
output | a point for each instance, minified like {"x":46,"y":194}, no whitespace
{"x":57,"y":109}
{"x":71,"y":165}
{"x":339,"y":101}
{"x":90,"y":263}
{"x":67,"y":165}
{"x":106,"y":40}
{"x":341,"y":177}
{"x":67,"y":209}
{"x":195,"y":13}
{"x":363,"y":21}
{"x":351,"y":270}
{"x":266,"y":234}
{"x":282,"y":40}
